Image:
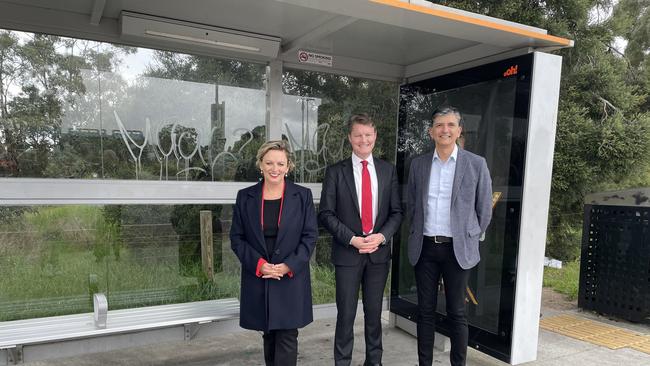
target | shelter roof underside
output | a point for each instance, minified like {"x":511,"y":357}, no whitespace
{"x":387,"y":39}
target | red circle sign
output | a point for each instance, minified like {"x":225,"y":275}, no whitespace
{"x":303,"y":56}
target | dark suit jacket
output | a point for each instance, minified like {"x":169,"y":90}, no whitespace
{"x":287,"y":301}
{"x":471,"y":205}
{"x":340,"y":214}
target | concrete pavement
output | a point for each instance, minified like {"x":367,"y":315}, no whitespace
{"x":315,"y":348}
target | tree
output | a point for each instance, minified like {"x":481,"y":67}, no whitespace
{"x":603,"y":130}
{"x":341,"y":96}
{"x":41,"y":80}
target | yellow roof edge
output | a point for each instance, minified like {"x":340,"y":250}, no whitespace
{"x":481,"y":22}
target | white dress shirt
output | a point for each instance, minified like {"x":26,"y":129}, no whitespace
{"x":438,"y":209}
{"x":357,"y":168}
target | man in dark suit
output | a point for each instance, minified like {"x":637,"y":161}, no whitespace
{"x":360,"y":206}
{"x":450,"y":206}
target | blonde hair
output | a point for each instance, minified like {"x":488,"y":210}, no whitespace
{"x":279,"y":145}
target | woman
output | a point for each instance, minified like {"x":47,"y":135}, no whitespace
{"x":273,"y":233}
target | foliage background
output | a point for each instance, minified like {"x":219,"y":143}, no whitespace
{"x":603,"y":128}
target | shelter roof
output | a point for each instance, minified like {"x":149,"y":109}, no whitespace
{"x":385,"y":39}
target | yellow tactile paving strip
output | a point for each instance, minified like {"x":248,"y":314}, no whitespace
{"x":596,"y":332}
{"x":643,"y":347}
{"x":554,"y":323}
{"x":618,"y":338}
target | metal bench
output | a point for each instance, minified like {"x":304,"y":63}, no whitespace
{"x":61,"y":336}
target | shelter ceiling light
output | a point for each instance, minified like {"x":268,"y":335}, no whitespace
{"x":167,"y":32}
{"x":201,"y":40}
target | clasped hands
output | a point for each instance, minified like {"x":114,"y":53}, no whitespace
{"x":274,"y":271}
{"x":368,"y":244}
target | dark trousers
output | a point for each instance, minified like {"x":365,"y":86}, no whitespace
{"x":281,"y":347}
{"x":372,"y":279}
{"x":438,"y":260}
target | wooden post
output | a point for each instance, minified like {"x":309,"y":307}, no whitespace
{"x":206,"y":244}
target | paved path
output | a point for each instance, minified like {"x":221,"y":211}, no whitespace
{"x":315,"y":347}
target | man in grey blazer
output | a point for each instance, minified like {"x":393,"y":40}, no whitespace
{"x":450,"y":206}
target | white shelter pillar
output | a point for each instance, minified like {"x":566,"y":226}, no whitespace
{"x":544,"y":98}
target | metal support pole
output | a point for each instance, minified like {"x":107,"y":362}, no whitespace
{"x":302,"y":143}
{"x":274,"y":100}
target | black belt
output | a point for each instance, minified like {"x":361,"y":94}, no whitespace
{"x":439,"y":239}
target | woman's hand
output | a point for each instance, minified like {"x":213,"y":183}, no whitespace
{"x":268,"y":271}
{"x":274,"y":271}
{"x":282,"y":268}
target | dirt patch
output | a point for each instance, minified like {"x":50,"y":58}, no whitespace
{"x":557,"y":301}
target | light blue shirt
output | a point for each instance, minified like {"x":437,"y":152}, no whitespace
{"x":438,"y":209}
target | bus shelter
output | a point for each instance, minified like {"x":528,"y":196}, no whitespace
{"x":497,"y":72}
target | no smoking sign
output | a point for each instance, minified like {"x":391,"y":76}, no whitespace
{"x":314,"y":58}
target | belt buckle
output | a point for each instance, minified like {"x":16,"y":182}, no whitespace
{"x":435,"y":239}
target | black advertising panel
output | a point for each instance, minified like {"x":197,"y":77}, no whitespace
{"x":494,"y":101}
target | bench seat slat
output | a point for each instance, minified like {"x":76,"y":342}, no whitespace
{"x":67,"y":327}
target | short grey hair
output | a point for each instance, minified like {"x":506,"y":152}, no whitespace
{"x":445,"y":110}
{"x":279,"y":145}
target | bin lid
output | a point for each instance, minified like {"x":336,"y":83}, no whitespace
{"x":634,"y":197}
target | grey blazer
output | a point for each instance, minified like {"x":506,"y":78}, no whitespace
{"x":471,"y":205}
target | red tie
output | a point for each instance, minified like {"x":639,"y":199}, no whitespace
{"x":366,"y":199}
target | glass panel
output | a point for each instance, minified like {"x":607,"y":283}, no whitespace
{"x":316,"y":107}
{"x":92,"y":110}
{"x":323,"y":283}
{"x":48,"y":263}
{"x":487,"y":131}
{"x":495,"y":118}
{"x":53,"y":258}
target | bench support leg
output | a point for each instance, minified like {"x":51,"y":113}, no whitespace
{"x":15,"y":355}
{"x":190,"y":331}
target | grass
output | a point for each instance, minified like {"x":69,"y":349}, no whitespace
{"x":564,"y":280}
{"x":54,"y":258}
{"x":323,"y":289}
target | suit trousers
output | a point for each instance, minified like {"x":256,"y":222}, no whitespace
{"x":281,"y":347}
{"x":438,"y":260}
{"x":372,"y":279}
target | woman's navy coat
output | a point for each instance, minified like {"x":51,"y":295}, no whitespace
{"x":287,"y":301}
